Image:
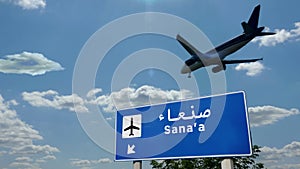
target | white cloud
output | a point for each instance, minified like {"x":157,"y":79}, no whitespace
{"x":103,"y":160}
{"x":80,"y":163}
{"x":131,"y":97}
{"x":125,"y":98}
{"x":14,"y":132}
{"x":89,"y":163}
{"x":28,"y":63}
{"x":27,"y":4}
{"x":26,"y":165}
{"x":24,"y":162}
{"x":24,"y":159}
{"x":92,"y":93}
{"x":17,"y":138}
{"x":286,"y":157}
{"x":2,"y":153}
{"x":281,"y":36}
{"x":45,"y":159}
{"x":253,"y":68}
{"x":34,"y":149}
{"x":52,"y":99}
{"x":49,"y":157}
{"x":265,"y":115}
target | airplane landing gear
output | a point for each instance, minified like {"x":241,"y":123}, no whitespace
{"x":189,"y":76}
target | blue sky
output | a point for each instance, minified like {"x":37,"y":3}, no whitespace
{"x":42,"y":44}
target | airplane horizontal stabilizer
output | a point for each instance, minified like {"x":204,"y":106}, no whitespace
{"x":240,"y":61}
{"x":265,"y":33}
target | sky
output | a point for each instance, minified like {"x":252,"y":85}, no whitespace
{"x":67,"y":66}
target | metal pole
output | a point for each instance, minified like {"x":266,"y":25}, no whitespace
{"x":227,"y":163}
{"x":137,"y":164}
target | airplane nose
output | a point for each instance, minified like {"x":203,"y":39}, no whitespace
{"x":185,"y":69}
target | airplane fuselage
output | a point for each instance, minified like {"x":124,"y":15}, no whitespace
{"x":233,"y":45}
{"x":214,"y":56}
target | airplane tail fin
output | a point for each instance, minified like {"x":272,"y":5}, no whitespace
{"x":247,"y":28}
{"x":251,"y":26}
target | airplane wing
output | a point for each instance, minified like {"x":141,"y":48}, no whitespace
{"x":188,"y":47}
{"x":127,"y":128}
{"x":240,"y":61}
{"x":131,"y":127}
{"x":134,"y":127}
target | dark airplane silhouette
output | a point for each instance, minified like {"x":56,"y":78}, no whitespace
{"x":217,"y":55}
{"x":131,"y":128}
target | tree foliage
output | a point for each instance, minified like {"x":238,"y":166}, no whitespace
{"x":210,"y":163}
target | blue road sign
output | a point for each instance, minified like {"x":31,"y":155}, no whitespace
{"x":214,"y":126}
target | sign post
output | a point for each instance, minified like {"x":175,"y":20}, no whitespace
{"x":213,"y":126}
{"x":227,"y":164}
{"x":137,"y":164}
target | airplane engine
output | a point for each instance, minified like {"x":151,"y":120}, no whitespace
{"x":219,"y":68}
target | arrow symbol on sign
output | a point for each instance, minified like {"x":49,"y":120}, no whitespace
{"x":130,"y":149}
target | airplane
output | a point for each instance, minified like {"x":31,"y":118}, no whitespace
{"x":131,"y":127}
{"x":217,"y":55}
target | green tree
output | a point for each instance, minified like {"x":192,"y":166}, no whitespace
{"x":210,"y":163}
